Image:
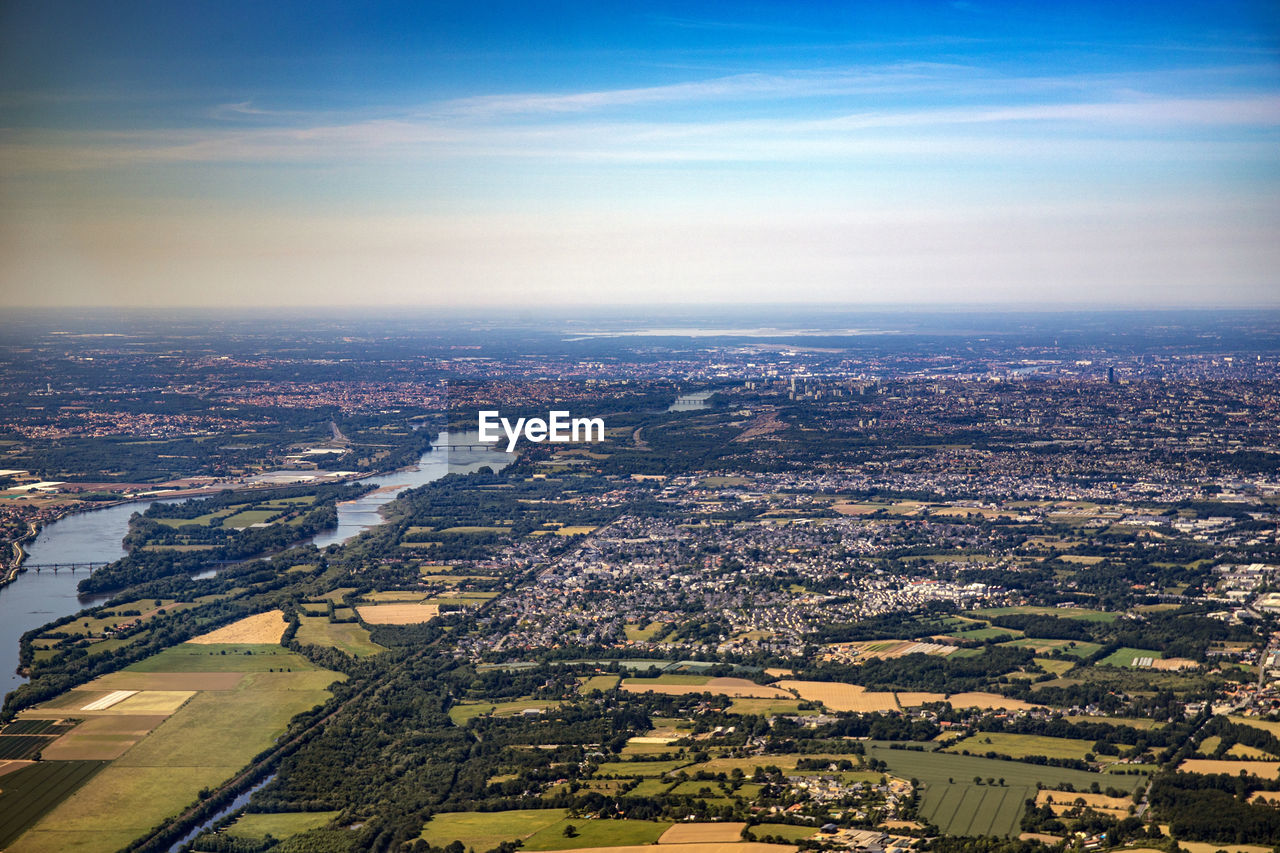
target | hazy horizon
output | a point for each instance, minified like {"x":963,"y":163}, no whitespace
{"x":392,"y":156}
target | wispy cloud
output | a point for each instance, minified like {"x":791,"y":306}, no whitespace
{"x":1003,"y":130}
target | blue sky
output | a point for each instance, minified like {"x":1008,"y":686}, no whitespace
{"x":594,"y":153}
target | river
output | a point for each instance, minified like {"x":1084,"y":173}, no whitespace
{"x":37,"y":597}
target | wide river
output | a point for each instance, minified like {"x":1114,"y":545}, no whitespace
{"x":36,"y":597}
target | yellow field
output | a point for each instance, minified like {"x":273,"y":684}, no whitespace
{"x":1265,"y":725}
{"x":153,"y":702}
{"x":395,"y":595}
{"x":1063,"y":801}
{"x":1174,"y":664}
{"x":1261,"y":769}
{"x":733,"y":687}
{"x":574,"y":530}
{"x":911,"y":700}
{"x":266,"y":627}
{"x":1206,"y":847}
{"x":842,"y":697}
{"x":690,"y":833}
{"x":989,"y":700}
{"x":398,"y":614}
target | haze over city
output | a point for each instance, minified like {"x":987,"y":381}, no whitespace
{"x":288,"y":154}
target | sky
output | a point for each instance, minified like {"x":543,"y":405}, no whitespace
{"x":514,"y":154}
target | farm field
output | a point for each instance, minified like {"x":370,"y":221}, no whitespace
{"x":842,"y":697}
{"x":398,"y":614}
{"x":230,"y":658}
{"x":463,"y":712}
{"x":961,"y":809}
{"x":783,"y":830}
{"x":639,"y":769}
{"x":486,"y":830}
{"x":1055,"y":666}
{"x":1131,"y":722}
{"x":1261,"y":769}
{"x":1075,"y":648}
{"x":266,"y":627}
{"x":102,"y":738}
{"x":344,"y":636}
{"x":598,"y":682}
{"x":688,"y":833}
{"x":249,"y":517}
{"x":394,"y":596}
{"x":596,"y":833}
{"x":30,"y":791}
{"x":1060,"y":612}
{"x":1265,"y":725}
{"x":652,"y":632}
{"x":203,"y":743}
{"x":959,"y":806}
{"x":988,"y":700}
{"x":1063,"y":801}
{"x":1020,"y":746}
{"x":1206,"y":847}
{"x":1129,"y":657}
{"x":731,"y":687}
{"x":766,"y":707}
{"x":280,"y":825}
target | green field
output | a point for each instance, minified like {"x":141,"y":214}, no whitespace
{"x":280,"y":825}
{"x":207,"y":741}
{"x":1020,"y":746}
{"x":200,"y":520}
{"x":1075,"y":648}
{"x":30,"y":792}
{"x":249,"y":517}
{"x":1126,"y":656}
{"x":960,"y":807}
{"x":1055,"y":666}
{"x":1060,"y":612}
{"x":651,"y":787}
{"x":348,"y":637}
{"x":975,"y":810}
{"x":239,"y":657}
{"x":652,"y":632}
{"x":596,"y":833}
{"x":783,"y":830}
{"x":639,"y":768}
{"x":599,"y":682}
{"x":464,"y":712}
{"x":703,"y":788}
{"x":486,"y":830}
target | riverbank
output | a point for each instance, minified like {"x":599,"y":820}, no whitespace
{"x":19,"y":555}
{"x":34,"y":528}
